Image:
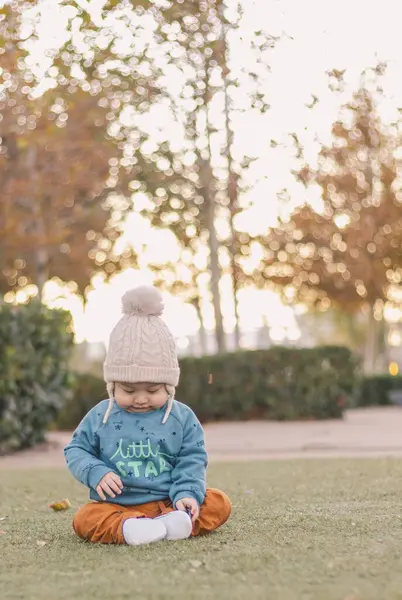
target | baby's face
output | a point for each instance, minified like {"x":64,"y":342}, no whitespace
{"x":140,"y":397}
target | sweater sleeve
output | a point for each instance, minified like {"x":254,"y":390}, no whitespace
{"x":189,"y":473}
{"x":82,"y":452}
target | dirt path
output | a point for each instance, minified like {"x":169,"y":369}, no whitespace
{"x":364,"y":432}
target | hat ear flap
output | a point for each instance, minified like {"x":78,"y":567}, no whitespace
{"x":171,"y":391}
{"x":110,"y":391}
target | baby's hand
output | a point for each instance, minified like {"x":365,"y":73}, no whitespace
{"x":110,"y":483}
{"x":189,"y":503}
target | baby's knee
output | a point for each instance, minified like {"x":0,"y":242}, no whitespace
{"x":81,"y":521}
{"x":100,"y":522}
{"x":90,"y":519}
{"x":225,"y":506}
{"x":219,"y":503}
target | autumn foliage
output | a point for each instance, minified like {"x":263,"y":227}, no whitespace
{"x":347,"y":252}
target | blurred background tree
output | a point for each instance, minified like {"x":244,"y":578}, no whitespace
{"x":137,"y":109}
{"x":202,"y":191}
{"x":348,"y":253}
{"x":65,"y":157}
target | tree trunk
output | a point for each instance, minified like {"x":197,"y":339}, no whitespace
{"x":42,"y":260}
{"x":232,"y":183}
{"x":215,"y":278}
{"x":371,"y":345}
{"x":206,"y":175}
{"x":42,"y":253}
{"x":206,"y":179}
{"x":384,"y":346}
{"x":232,"y":191}
{"x":202,"y":334}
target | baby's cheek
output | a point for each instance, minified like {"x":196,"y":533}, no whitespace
{"x":161,"y":399}
{"x":122,"y":400}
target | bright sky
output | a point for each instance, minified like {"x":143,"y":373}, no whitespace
{"x":325,"y":35}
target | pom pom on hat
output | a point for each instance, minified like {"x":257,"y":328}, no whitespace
{"x":144,"y":301}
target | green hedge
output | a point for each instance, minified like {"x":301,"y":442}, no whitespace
{"x":373,"y":391}
{"x":279,"y":383}
{"x":35,"y":346}
{"x":88,"y":391}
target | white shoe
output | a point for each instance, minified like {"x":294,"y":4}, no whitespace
{"x":143,"y":531}
{"x":178,"y":525}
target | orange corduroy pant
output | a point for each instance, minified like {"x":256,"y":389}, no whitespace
{"x":102,"y":522}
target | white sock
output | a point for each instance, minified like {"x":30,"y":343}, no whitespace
{"x":178,"y":525}
{"x":143,"y":531}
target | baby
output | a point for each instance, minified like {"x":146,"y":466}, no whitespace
{"x":141,"y":453}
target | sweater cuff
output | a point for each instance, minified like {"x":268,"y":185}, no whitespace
{"x":96,"y":474}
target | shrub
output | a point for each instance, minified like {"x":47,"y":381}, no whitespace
{"x":35,"y":345}
{"x":88,"y":391}
{"x":374,"y":390}
{"x":279,"y":384}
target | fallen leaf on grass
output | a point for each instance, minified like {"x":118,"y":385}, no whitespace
{"x":61,"y":505}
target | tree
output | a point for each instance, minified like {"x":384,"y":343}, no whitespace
{"x":231,"y":73}
{"x":196,"y":188}
{"x":202,"y":180}
{"x":220,"y":173}
{"x":200,"y":56}
{"x":64,"y":155}
{"x":180,"y":183}
{"x":55,"y":164}
{"x":348,"y":253}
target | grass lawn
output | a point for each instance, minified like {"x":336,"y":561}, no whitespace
{"x":300,"y":530}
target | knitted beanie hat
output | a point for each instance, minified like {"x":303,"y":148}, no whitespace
{"x":141,"y":347}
